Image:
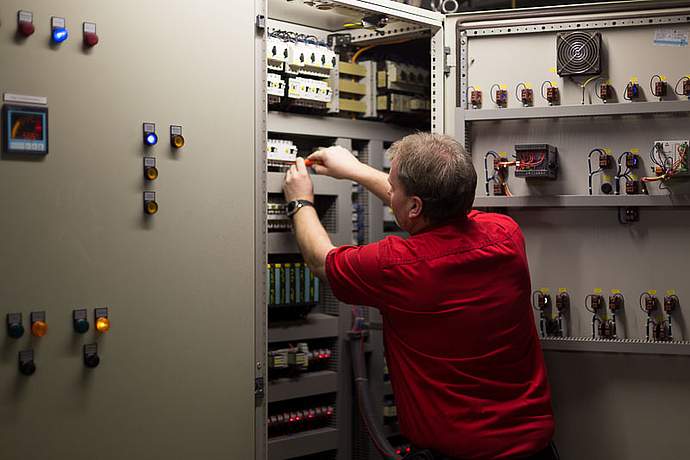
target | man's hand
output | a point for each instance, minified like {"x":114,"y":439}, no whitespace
{"x":336,"y":162}
{"x":298,"y":185}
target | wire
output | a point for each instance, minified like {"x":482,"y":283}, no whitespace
{"x":675,"y":89}
{"x":589,"y":167}
{"x":583,"y":86}
{"x":491,"y":92}
{"x":359,"y":52}
{"x":589,"y":308}
{"x":517,"y":91}
{"x":651,"y":81}
{"x":486,"y":169}
{"x":542,"y":88}
{"x":534,"y":304}
{"x":625,"y":91}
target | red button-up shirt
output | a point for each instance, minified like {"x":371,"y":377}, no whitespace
{"x":462,"y":348}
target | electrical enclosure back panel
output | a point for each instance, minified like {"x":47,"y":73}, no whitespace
{"x":536,"y":161}
{"x":161,"y":364}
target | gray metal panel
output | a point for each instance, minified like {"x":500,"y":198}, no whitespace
{"x":308,"y":384}
{"x":177,"y":374}
{"x":582,"y":201}
{"x":317,"y":325}
{"x":299,"y":444}
{"x":598,"y":110}
{"x":582,"y":248}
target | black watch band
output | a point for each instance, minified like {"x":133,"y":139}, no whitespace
{"x":296,"y":205}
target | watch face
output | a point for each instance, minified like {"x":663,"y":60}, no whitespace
{"x":291,"y":206}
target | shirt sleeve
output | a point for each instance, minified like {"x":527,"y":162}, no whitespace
{"x":354,"y":274}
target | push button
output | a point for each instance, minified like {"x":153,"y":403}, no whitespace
{"x":25,"y":23}
{"x":15,"y":328}
{"x":39,"y":327}
{"x":150,"y":136}
{"x":90,"y":36}
{"x":27,"y":366}
{"x":59,"y":32}
{"x":80,"y":321}
{"x":91,"y":358}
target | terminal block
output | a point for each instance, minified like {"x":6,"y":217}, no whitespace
{"x":536,"y":161}
{"x":553,"y":95}
{"x":605,"y":92}
{"x":476,"y":99}
{"x":605,"y":160}
{"x":632,"y":160}
{"x":686,"y":87}
{"x":502,"y":98}
{"x":607,"y":329}
{"x":562,"y":301}
{"x":671,"y":303}
{"x":527,"y":97}
{"x":597,"y":302}
{"x":633,"y":187}
{"x":650,"y":303}
{"x":543,"y":301}
{"x":660,"y":89}
{"x":616,"y":302}
{"x":299,"y":420}
{"x":632,"y":91}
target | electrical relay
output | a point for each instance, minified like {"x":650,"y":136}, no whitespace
{"x":536,"y":161}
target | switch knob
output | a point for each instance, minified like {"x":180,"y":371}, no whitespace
{"x":26,"y":362}
{"x":15,"y":328}
{"x":150,"y":170}
{"x":80,"y":321}
{"x":91,"y":358}
{"x":25,"y":23}
{"x":150,"y":204}
{"x":39,"y":327}
{"x":90,"y":35}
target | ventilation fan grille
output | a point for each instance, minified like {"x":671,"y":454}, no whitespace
{"x":579,"y":53}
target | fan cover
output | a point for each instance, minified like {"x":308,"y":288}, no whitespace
{"x":579,"y":53}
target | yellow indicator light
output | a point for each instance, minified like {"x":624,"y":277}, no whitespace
{"x":151,"y":207}
{"x":151,"y":173}
{"x":102,"y":324}
{"x":39,"y":328}
{"x":178,"y":141}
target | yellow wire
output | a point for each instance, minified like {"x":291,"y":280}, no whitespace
{"x":587,"y":82}
{"x":359,"y":53}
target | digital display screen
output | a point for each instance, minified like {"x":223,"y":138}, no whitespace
{"x":25,"y":129}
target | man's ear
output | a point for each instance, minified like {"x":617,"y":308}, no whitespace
{"x":416,"y":205}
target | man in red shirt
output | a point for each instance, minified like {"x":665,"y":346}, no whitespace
{"x":462,"y":348}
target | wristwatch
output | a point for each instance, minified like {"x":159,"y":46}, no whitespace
{"x":296,"y":205}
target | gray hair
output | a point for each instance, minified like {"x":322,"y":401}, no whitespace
{"x":437,"y":169}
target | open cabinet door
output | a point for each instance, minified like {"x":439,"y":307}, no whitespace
{"x":93,"y":232}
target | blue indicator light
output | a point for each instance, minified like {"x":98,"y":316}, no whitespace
{"x":60,"y":34}
{"x":151,"y":139}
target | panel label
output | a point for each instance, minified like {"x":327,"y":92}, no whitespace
{"x":670,"y":37}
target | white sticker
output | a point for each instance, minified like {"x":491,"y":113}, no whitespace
{"x":57,"y":22}
{"x":26,"y":16}
{"x":90,"y":27}
{"x":9,"y":97}
{"x":670,"y":37}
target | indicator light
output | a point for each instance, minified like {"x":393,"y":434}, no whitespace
{"x":150,"y":204}
{"x":80,"y":321}
{"x":15,"y":328}
{"x":151,"y":139}
{"x":102,"y":321}
{"x":58,"y":31}
{"x":150,"y":170}
{"x":26,"y":362}
{"x":39,"y":327}
{"x":60,"y":34}
{"x":176,"y":138}
{"x":150,"y":136}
